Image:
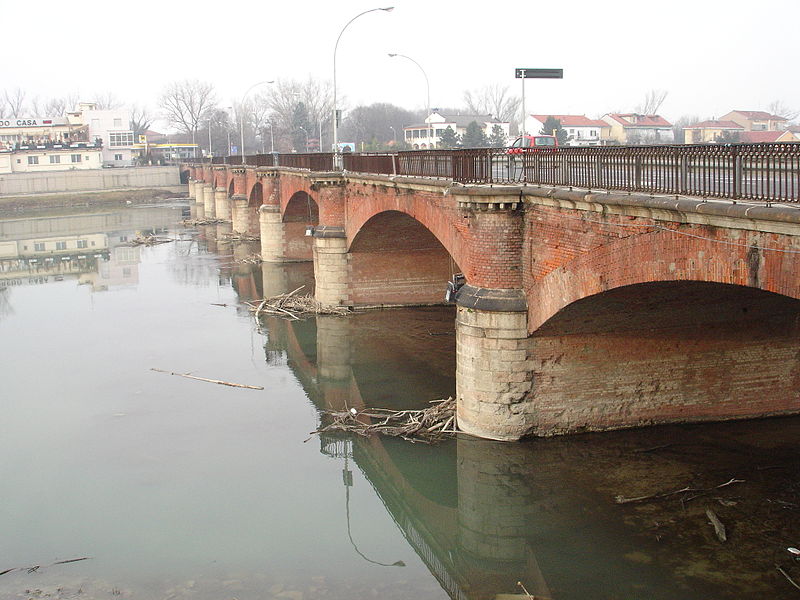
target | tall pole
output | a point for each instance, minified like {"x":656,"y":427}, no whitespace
{"x":427,"y":96}
{"x":271,"y":138}
{"x":210,"y":153}
{"x":241,"y":114}
{"x":336,"y":155}
{"x":522,"y":134}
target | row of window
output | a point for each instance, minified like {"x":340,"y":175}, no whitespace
{"x":422,"y":133}
{"x":55,"y":159}
{"x":41,"y":246}
{"x":120,"y":138}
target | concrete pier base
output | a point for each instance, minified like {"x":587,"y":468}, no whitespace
{"x":191,"y":188}
{"x":208,"y":200}
{"x":330,"y":266}
{"x":239,"y":216}
{"x":493,"y":363}
{"x":272,"y":238}
{"x":222,"y":206}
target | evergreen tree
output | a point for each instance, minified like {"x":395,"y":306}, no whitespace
{"x":552,"y":126}
{"x":474,"y":137}
{"x":498,"y":137}
{"x":449,"y":139}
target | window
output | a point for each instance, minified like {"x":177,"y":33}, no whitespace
{"x":33,"y":160}
{"x":117,"y":122}
{"x":82,"y":244}
{"x":38,"y":246}
{"x":55,"y":159}
{"x":118,"y":157}
{"x":76,"y":158}
{"x":120,"y":138}
{"x":61,"y":245}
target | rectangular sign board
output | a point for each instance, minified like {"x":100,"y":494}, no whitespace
{"x":522,"y":73}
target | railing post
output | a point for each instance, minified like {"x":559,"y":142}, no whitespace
{"x":637,"y":172}
{"x":738,"y":173}
{"x":683,"y":171}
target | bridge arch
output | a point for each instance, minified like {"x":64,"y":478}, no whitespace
{"x":396,"y":259}
{"x":256,"y":196}
{"x":666,"y":256}
{"x":301,"y":208}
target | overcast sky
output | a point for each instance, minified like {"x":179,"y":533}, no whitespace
{"x":711,"y":56}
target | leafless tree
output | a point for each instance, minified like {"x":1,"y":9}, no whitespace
{"x":140,"y":119}
{"x":107,"y":101}
{"x":15,"y":102}
{"x":495,"y":100}
{"x":55,"y":107}
{"x":652,"y":102}
{"x":779,"y":108}
{"x":186,"y":103}
{"x":680,"y":123}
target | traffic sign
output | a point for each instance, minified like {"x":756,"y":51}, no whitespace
{"x":523,"y":73}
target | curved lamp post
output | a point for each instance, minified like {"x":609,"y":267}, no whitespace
{"x":241,"y":116}
{"x":303,"y":129}
{"x":336,"y":154}
{"x":427,"y":95}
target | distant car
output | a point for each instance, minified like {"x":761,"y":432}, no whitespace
{"x":537,"y":143}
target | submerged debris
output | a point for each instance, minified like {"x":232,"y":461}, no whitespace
{"x":432,"y":424}
{"x":294,"y":307}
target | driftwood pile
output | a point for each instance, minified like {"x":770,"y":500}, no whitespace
{"x":430,"y":425}
{"x":240,"y":237}
{"x":149,"y":240}
{"x":253,"y":259}
{"x":295,"y":307}
{"x":209,"y":221}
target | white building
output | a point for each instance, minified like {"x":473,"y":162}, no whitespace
{"x":581,"y":130}
{"x":428,"y":135}
{"x":112,"y":127}
{"x":50,"y":156}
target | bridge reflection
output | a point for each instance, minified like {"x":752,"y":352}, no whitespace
{"x":481,"y":515}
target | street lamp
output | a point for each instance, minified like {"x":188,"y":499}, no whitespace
{"x":271,"y":138}
{"x":394,"y":134}
{"x":303,"y":129}
{"x":241,"y":114}
{"x":427,"y":95}
{"x":336,"y":155}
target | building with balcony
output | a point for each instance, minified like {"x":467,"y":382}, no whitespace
{"x":112,"y":127}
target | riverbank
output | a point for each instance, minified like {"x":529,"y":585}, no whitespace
{"x":119,"y":197}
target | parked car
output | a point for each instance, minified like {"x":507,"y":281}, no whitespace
{"x":537,"y":143}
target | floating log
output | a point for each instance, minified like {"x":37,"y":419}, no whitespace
{"x":217,"y":381}
{"x":719,"y":528}
{"x":660,"y":495}
{"x":149,"y":240}
{"x":210,"y":221}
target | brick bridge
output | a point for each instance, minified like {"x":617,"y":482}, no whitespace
{"x":581,"y":311}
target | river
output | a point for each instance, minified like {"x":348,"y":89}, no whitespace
{"x":175,"y":488}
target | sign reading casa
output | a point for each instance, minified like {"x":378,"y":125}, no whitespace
{"x":25,"y":122}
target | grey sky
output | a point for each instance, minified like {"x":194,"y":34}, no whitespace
{"x":712,"y":56}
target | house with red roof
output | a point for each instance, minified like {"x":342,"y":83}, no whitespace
{"x":756,"y":120}
{"x":767,"y":137}
{"x":714,"y":130}
{"x":633,"y":128}
{"x":581,"y":130}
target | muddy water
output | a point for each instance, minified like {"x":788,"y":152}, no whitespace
{"x":175,"y":488}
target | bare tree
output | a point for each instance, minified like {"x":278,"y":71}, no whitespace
{"x":15,"y":103}
{"x":185,"y":103}
{"x":140,"y":119}
{"x":55,"y":107}
{"x":652,"y":102}
{"x":679,"y":124}
{"x":106,"y":101}
{"x":495,"y":100}
{"x":779,"y":108}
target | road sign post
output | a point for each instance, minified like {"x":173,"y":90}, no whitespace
{"x":526,"y":73}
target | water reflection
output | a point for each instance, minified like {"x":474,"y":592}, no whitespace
{"x":180,"y":489}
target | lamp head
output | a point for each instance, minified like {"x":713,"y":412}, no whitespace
{"x":388,"y":8}
{"x":392,"y":55}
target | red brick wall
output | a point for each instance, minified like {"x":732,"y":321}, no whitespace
{"x":300,"y":212}
{"x":569,"y":255}
{"x":673,"y":351}
{"x":395,"y":260}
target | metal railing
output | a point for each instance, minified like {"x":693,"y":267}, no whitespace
{"x":763,"y":172}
